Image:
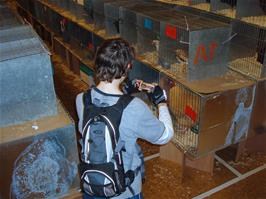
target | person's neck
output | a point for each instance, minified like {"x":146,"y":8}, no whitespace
{"x":110,"y":88}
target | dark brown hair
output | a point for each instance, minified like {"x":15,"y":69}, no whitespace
{"x":112,"y":59}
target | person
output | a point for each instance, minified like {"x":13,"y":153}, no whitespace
{"x":112,"y":63}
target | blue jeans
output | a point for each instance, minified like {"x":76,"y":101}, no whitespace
{"x":86,"y":196}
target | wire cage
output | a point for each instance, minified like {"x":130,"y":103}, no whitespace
{"x":194,"y":47}
{"x":224,"y":7}
{"x":60,"y":50}
{"x":148,"y":29}
{"x":251,"y":11}
{"x":55,"y":22}
{"x":128,"y":29}
{"x":112,"y":16}
{"x":198,"y":4}
{"x":248,"y":49}
{"x":24,"y":4}
{"x":89,"y":10}
{"x":197,"y":130}
{"x":78,"y":11}
{"x":65,"y":29}
{"x":81,"y":39}
{"x":98,"y":13}
{"x":39,"y":11}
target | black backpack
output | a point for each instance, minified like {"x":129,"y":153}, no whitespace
{"x":101,"y":169}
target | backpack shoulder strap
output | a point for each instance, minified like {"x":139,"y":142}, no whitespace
{"x":87,"y":98}
{"x":123,"y":101}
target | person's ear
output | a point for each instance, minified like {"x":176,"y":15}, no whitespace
{"x":129,"y":66}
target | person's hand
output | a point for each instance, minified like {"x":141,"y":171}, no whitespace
{"x":158,"y":95}
{"x":130,"y":87}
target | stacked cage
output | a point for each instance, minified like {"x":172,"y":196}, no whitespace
{"x":149,"y":32}
{"x":248,"y":49}
{"x":80,"y":39}
{"x":39,"y":10}
{"x":195,"y":45}
{"x":113,"y":19}
{"x":199,"y":4}
{"x":89,"y":11}
{"x":98,"y":13}
{"x":128,"y":15}
{"x":251,"y":11}
{"x":224,"y":7}
{"x":24,"y":4}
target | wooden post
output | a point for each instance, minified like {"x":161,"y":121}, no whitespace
{"x":240,"y":150}
{"x":172,"y":153}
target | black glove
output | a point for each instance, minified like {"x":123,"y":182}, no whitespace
{"x":158,"y":95}
{"x":130,"y":87}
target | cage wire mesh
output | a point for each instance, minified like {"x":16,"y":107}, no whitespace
{"x":59,"y":49}
{"x":129,"y":18}
{"x":98,"y":13}
{"x":193,"y":47}
{"x":89,"y":10}
{"x":185,"y":109}
{"x":199,"y":4}
{"x":39,"y":10}
{"x":112,"y":16}
{"x":252,"y":11}
{"x":224,"y":7}
{"x":247,"y":49}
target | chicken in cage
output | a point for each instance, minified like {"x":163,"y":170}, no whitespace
{"x":247,"y":49}
{"x":194,"y":47}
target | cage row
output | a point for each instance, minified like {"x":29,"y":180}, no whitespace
{"x":188,"y":44}
{"x":251,"y":11}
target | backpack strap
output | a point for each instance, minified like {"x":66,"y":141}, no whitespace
{"x":87,"y":98}
{"x":123,"y":101}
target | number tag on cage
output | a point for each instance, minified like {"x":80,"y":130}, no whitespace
{"x":148,"y":24}
{"x":170,"y":31}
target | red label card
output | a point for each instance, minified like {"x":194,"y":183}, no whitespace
{"x":170,"y":31}
{"x":190,"y":113}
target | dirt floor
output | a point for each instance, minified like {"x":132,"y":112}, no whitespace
{"x":163,"y":178}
